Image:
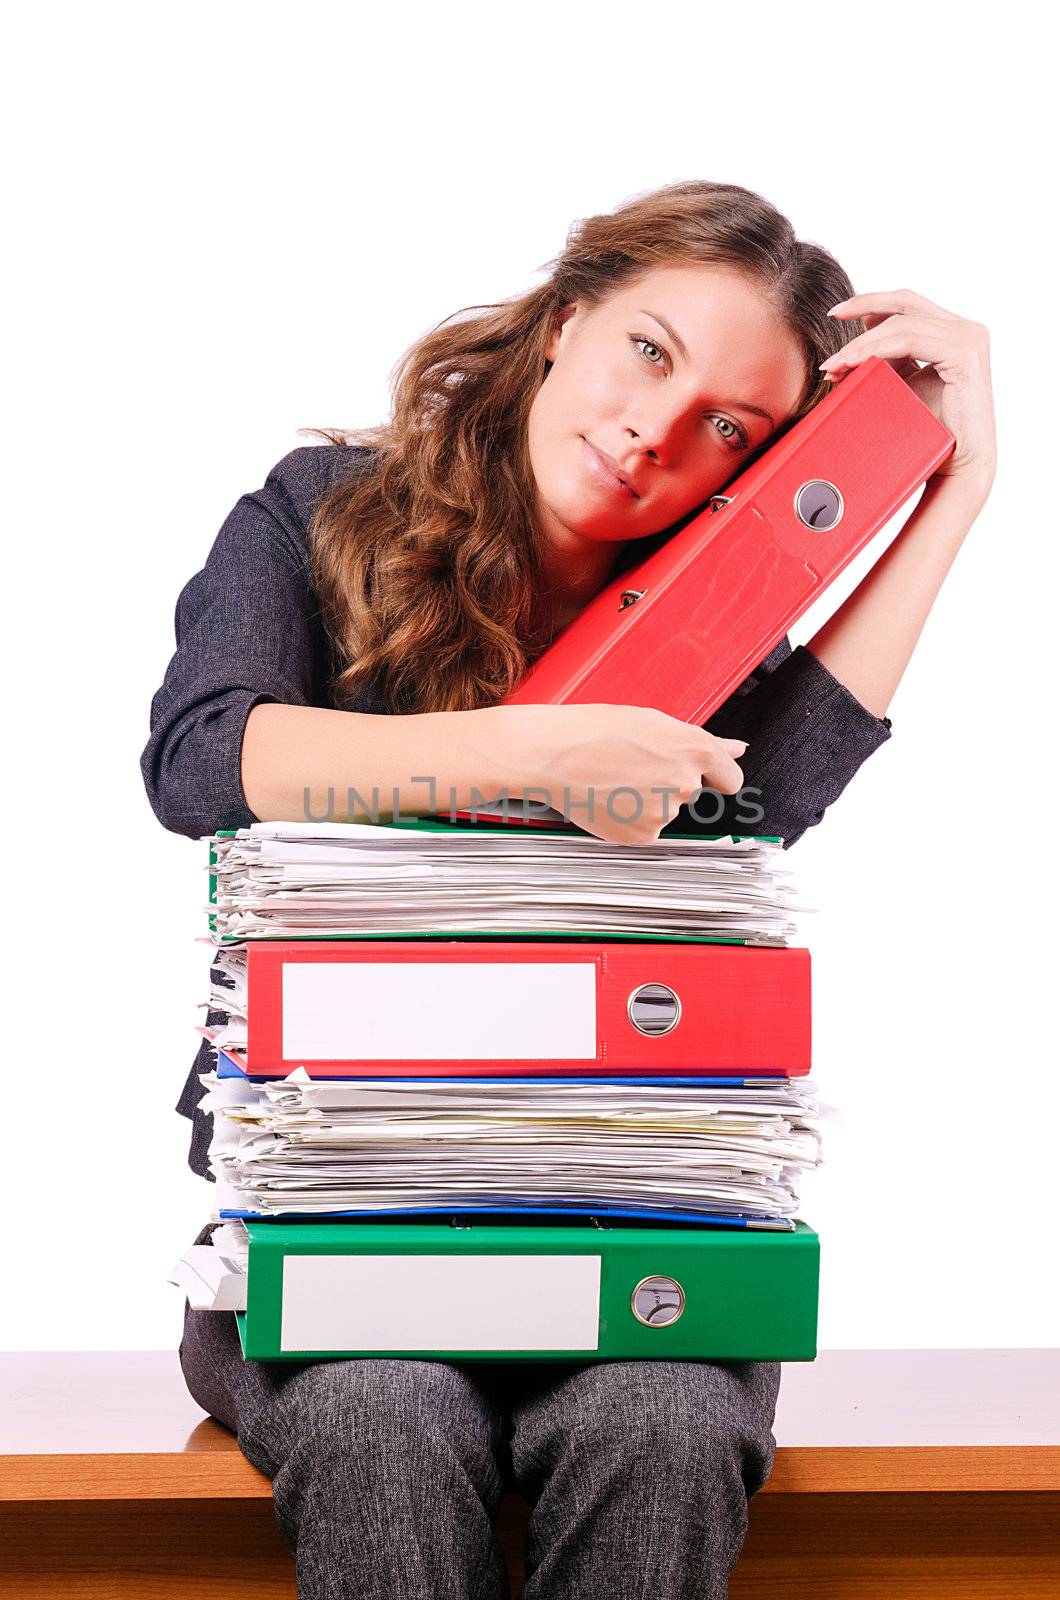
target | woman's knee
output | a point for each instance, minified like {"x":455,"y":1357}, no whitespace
{"x":212,"y":1363}
{"x":380,"y":1413}
{"x":695,"y":1420}
{"x":376,"y":1451}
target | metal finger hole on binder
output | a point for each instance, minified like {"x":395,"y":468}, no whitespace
{"x":819,"y":504}
{"x":657,"y":1302}
{"x":654,"y":1009}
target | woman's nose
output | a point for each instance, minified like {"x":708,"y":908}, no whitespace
{"x":660,"y":427}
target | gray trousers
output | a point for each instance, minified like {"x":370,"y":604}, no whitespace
{"x":387,"y":1475}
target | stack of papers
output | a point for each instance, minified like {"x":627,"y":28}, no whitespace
{"x":303,"y":879}
{"x":733,"y":1149}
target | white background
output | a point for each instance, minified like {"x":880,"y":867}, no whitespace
{"x":230,"y":223}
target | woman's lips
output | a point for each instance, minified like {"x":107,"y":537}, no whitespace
{"x":605,"y":474}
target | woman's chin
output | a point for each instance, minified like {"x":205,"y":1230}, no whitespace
{"x":599,"y":524}
{"x":611,"y":534}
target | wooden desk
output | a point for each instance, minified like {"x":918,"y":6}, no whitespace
{"x":899,"y":1473}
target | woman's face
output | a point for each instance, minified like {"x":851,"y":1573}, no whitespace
{"x":677,"y":408}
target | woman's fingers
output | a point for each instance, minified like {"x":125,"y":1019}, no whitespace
{"x":906,"y":367}
{"x":719,"y":768}
{"x":921,"y":338}
{"x":944,"y":358}
{"x":886,"y":302}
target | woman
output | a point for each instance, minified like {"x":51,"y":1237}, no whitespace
{"x":355,"y":628}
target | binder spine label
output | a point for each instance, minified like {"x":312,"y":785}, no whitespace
{"x":400,"y":1011}
{"x":440,"y":1302}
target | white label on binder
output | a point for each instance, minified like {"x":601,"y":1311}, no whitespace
{"x":440,"y":1302}
{"x":439,"y":1010}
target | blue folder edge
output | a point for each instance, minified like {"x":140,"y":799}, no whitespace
{"x":227,"y":1068}
{"x":705,"y":1219}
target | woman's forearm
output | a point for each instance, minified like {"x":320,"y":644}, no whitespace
{"x":312,"y":763}
{"x":945,"y":359}
{"x":867,"y":643}
{"x":308,"y":763}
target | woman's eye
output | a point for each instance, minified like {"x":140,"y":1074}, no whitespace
{"x":737,"y":434}
{"x":639,"y":339}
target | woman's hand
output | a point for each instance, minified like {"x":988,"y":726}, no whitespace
{"x":903,"y":329}
{"x":634,"y":764}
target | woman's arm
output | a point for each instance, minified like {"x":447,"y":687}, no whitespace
{"x":351,"y":766}
{"x":247,"y":631}
{"x":245,"y":695}
{"x":347,"y":766}
{"x":807,"y":735}
{"x":867,"y":644}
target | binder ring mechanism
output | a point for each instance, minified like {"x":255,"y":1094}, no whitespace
{"x":629,"y":597}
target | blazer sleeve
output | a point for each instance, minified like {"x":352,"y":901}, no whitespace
{"x":248,"y":630}
{"x":807,"y":736}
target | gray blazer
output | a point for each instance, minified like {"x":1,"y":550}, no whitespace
{"x":248,"y":630}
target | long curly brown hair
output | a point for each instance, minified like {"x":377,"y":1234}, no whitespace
{"x":427,"y":563}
